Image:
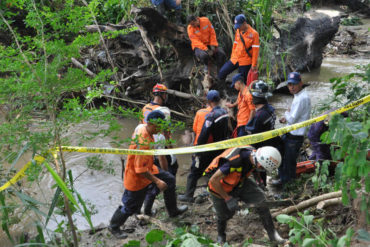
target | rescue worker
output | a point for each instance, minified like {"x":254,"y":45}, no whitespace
{"x":139,"y":174}
{"x":230,"y":183}
{"x":320,"y":151}
{"x":245,"y":49}
{"x":264,"y":117}
{"x":165,"y":162}
{"x":163,"y":5}
{"x":160,"y":98}
{"x":246,"y":108}
{"x":300,"y":111}
{"x":263,"y":120}
{"x":199,"y":119}
{"x":215,"y":126}
{"x":204,"y":42}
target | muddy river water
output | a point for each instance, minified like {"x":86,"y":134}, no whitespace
{"x":104,"y":190}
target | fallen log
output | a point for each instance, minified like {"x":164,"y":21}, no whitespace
{"x":156,"y":222}
{"x":308,"y":203}
{"x":143,"y":103}
{"x":181,"y":94}
{"x":329,"y":202}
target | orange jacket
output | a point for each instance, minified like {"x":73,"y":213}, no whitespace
{"x":239,"y":55}
{"x":147,"y":109}
{"x":137,"y":164}
{"x":199,"y":119}
{"x":203,"y":35}
{"x":245,"y":106}
{"x":230,"y":181}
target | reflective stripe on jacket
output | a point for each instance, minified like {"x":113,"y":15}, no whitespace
{"x":239,"y":55}
{"x":237,"y":169}
{"x":203,"y":35}
{"x":148,"y":108}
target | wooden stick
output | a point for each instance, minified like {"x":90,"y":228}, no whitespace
{"x":307,"y":203}
{"x":79,"y":65}
{"x":149,"y":45}
{"x":143,"y":103}
{"x":329,"y":202}
{"x":181,"y":94}
{"x":156,"y":222}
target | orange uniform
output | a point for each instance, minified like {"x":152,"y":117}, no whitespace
{"x":199,"y":119}
{"x":137,"y":164}
{"x":147,"y":109}
{"x":239,"y":54}
{"x":245,"y":106}
{"x":237,"y":168}
{"x":203,"y":35}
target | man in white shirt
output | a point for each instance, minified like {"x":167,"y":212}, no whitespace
{"x":300,"y":110}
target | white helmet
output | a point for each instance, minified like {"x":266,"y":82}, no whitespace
{"x":268,"y":157}
{"x":165,"y":111}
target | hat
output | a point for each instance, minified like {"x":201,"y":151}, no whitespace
{"x":294,"y":78}
{"x":237,"y":77}
{"x":239,"y":20}
{"x":159,"y":88}
{"x":213,"y":95}
{"x":154,"y":115}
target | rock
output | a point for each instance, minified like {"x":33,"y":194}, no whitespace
{"x":305,"y":41}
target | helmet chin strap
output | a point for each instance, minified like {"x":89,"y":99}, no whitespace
{"x":258,"y":167}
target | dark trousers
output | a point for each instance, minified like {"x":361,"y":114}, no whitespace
{"x":218,"y":57}
{"x":196,"y":171}
{"x":249,"y":192}
{"x":229,"y":67}
{"x":241,"y":131}
{"x":153,"y":190}
{"x":287,"y":169}
{"x":320,"y":151}
{"x":133,"y":200}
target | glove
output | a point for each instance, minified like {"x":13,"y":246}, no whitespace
{"x":232,"y":204}
{"x":210,"y":53}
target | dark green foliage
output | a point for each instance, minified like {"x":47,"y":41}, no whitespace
{"x":351,"y":21}
{"x":309,"y":232}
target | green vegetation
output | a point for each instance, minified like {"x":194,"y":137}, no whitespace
{"x":351,"y":21}
{"x":182,"y":237}
{"x":309,"y":232}
{"x":42,"y":96}
{"x":350,"y":139}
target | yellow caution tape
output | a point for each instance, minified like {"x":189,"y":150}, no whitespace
{"x":21,"y":173}
{"x":235,"y":142}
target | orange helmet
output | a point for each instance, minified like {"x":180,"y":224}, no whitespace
{"x":159,"y":88}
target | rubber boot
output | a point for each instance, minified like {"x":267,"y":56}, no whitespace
{"x":221,"y":232}
{"x":191,"y":185}
{"x":148,"y":205}
{"x":268,"y":224}
{"x":170,"y":201}
{"x":118,"y":219}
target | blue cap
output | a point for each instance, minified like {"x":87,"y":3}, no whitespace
{"x":213,"y":95}
{"x":237,"y":77}
{"x":154,"y":115}
{"x":239,"y":20}
{"x":294,"y":78}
